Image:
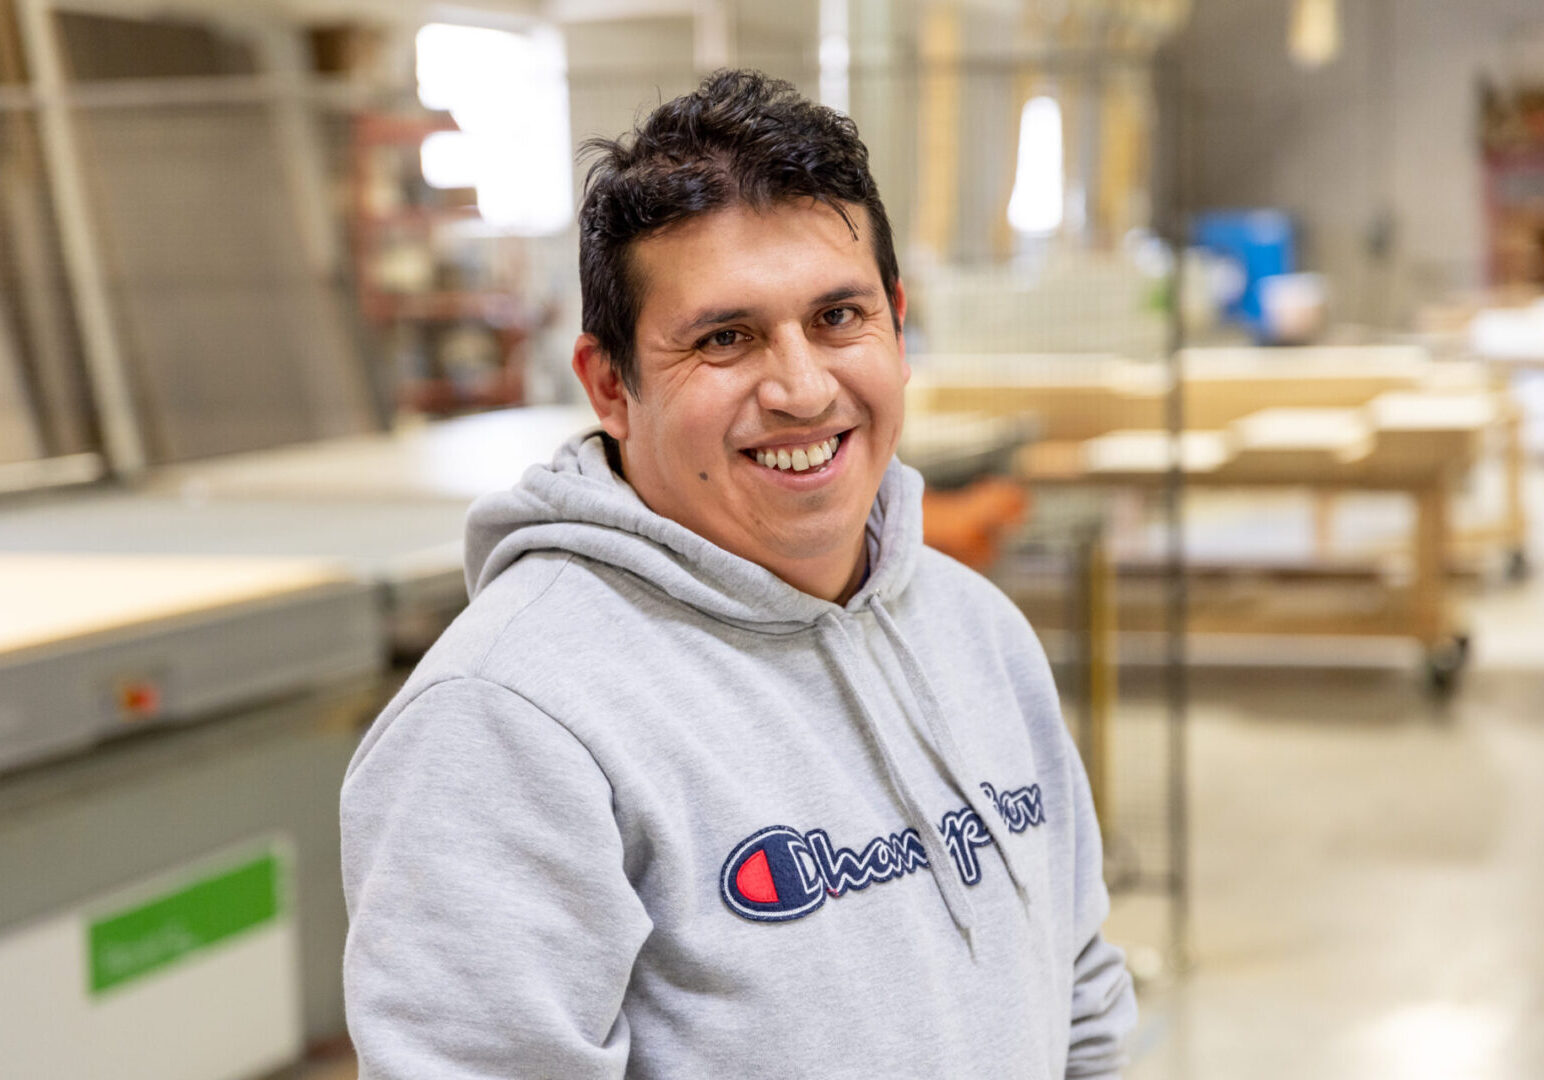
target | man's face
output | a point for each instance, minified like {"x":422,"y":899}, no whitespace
{"x":766,"y":331}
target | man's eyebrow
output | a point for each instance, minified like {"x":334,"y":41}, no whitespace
{"x":714,"y":318}
{"x":854,"y":291}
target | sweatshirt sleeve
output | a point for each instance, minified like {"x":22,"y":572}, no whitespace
{"x":1104,"y":1008}
{"x":492,"y":930}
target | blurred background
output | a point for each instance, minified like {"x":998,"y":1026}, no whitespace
{"x":1228,"y":341}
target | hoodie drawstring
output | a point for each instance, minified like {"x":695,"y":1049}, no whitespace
{"x":938,"y":858}
{"x":948,"y":749}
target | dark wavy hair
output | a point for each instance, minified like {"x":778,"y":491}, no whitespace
{"x":739,"y":137}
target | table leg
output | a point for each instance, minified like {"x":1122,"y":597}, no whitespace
{"x":1516,"y":512}
{"x":1429,"y":601}
{"x":1324,"y":504}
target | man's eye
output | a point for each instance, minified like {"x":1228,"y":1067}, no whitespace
{"x":722,"y":339}
{"x":840,"y":316}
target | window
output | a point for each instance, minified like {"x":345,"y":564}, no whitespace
{"x":1035,"y":206}
{"x":835,"y":55}
{"x":508,"y":93}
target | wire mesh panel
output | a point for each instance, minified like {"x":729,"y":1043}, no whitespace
{"x":1040,"y":291}
{"x":234,"y":339}
{"x":198,"y":163}
{"x":45,"y":405}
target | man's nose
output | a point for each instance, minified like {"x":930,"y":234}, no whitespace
{"x":797,"y":380}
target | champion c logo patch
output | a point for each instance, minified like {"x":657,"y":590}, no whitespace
{"x":781,"y":874}
{"x":772,"y":876}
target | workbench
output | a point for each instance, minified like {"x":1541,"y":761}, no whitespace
{"x":1328,"y":420}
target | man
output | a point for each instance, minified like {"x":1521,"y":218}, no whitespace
{"x":722,"y":773}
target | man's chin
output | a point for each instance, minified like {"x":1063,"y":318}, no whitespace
{"x":808,"y":547}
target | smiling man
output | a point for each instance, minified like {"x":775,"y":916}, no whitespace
{"x":722,"y":773}
{"x":769,"y":384}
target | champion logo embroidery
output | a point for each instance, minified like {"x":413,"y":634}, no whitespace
{"x":779,"y":873}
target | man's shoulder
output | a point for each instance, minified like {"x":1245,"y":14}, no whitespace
{"x":505,"y":601}
{"x":547,"y":613}
{"x":952,"y":603}
{"x":542,"y":619}
{"x":943,"y":583}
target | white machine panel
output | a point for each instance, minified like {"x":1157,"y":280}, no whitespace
{"x":193,"y":975}
{"x":92,"y":646}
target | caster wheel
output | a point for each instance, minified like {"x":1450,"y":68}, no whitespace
{"x":1517,"y":566}
{"x":1444,"y":664}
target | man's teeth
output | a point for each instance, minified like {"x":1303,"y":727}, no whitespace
{"x":808,"y":457}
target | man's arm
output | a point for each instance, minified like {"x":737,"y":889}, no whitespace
{"x":1104,"y":1008}
{"x":492,"y":928}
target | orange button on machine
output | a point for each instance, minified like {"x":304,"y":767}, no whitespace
{"x":138,"y":699}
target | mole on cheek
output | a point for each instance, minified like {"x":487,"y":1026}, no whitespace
{"x":702,"y":476}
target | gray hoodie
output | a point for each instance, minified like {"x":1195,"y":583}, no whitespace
{"x":646,"y":810}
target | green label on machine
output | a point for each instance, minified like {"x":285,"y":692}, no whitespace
{"x":128,"y":944}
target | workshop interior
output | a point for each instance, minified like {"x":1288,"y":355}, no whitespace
{"x":1226,"y":328}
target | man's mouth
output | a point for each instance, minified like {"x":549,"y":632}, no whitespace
{"x":798,"y":459}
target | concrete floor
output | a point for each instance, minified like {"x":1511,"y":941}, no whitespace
{"x":1368,"y":883}
{"x":1368,"y":870}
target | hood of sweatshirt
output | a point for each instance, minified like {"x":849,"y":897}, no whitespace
{"x":578,"y":504}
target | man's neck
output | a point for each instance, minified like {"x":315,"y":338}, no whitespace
{"x":837,"y":582}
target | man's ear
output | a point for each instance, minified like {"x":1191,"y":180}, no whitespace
{"x":898,"y":304}
{"x":608,"y":397}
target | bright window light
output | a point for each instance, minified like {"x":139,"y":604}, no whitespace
{"x":508,"y":93}
{"x":835,"y":55}
{"x":450,"y":160}
{"x":1313,"y":35}
{"x":1036,"y":203}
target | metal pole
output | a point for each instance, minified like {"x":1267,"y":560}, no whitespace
{"x":1177,"y":618}
{"x":1176,"y":615}
{"x":1102,"y":661}
{"x":104,"y":362}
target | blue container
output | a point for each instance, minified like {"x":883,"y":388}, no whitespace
{"x":1263,"y":242}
